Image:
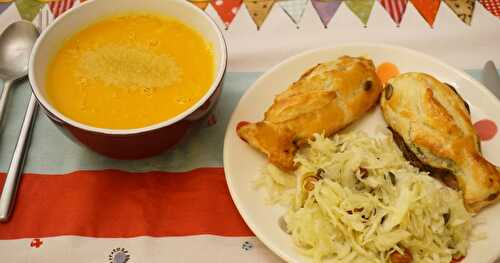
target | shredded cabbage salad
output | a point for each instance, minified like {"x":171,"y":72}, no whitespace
{"x":355,"y":199}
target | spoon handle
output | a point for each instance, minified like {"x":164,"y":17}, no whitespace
{"x":3,"y":100}
{"x":16,"y":165}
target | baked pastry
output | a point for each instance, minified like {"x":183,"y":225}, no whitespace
{"x":432,"y":126}
{"x":325,"y":99}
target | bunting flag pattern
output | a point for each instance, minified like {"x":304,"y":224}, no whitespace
{"x":201,"y":4}
{"x":258,"y":10}
{"x":28,"y":9}
{"x":59,"y":7}
{"x":294,"y":9}
{"x":326,"y":9}
{"x":4,"y":6}
{"x":395,"y":8}
{"x":463,"y":9}
{"x":361,"y":8}
{"x":493,"y":6}
{"x":226,"y":9}
{"x":428,"y":9}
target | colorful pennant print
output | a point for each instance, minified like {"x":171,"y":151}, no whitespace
{"x":226,"y":9}
{"x":395,"y":8}
{"x":462,"y":8}
{"x":59,"y":7}
{"x":4,"y":6}
{"x":493,"y":6}
{"x":28,"y":9}
{"x":294,"y":9}
{"x":428,"y":9}
{"x":258,"y":10}
{"x":326,"y":9}
{"x":361,"y":8}
{"x":201,"y":4}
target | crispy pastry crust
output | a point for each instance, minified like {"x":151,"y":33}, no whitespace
{"x":434,"y":122}
{"x":325,"y":99}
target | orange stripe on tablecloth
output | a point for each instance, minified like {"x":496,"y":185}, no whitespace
{"x":114,"y":203}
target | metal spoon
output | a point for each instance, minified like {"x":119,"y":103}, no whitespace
{"x":16,"y":43}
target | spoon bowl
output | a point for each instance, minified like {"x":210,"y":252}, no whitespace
{"x":16,"y":43}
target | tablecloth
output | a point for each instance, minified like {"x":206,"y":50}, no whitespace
{"x":74,"y":205}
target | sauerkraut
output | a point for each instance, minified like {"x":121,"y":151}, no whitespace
{"x":355,"y":199}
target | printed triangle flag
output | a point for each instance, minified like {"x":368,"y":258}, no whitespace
{"x":462,"y":8}
{"x":200,"y":3}
{"x":361,"y":8}
{"x":493,"y":6}
{"x":59,"y":7}
{"x":226,"y":9}
{"x":395,"y":8}
{"x":294,"y":9}
{"x":326,"y":9}
{"x":28,"y":9}
{"x":4,"y":6}
{"x":258,"y":10}
{"x":428,"y":9}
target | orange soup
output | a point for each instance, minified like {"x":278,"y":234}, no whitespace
{"x":130,"y":71}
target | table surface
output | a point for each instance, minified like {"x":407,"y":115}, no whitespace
{"x":77,"y":206}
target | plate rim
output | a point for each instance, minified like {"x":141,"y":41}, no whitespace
{"x":230,"y":184}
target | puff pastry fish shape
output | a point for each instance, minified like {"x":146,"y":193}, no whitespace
{"x":325,"y":99}
{"x":432,"y":126}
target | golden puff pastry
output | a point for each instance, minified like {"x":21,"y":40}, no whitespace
{"x":431,"y":124}
{"x":325,"y":99}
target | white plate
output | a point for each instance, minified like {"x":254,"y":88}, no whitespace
{"x":242,"y":164}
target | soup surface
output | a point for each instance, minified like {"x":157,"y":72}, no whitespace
{"x":130,"y":71}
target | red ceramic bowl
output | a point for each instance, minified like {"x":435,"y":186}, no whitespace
{"x":128,"y":143}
